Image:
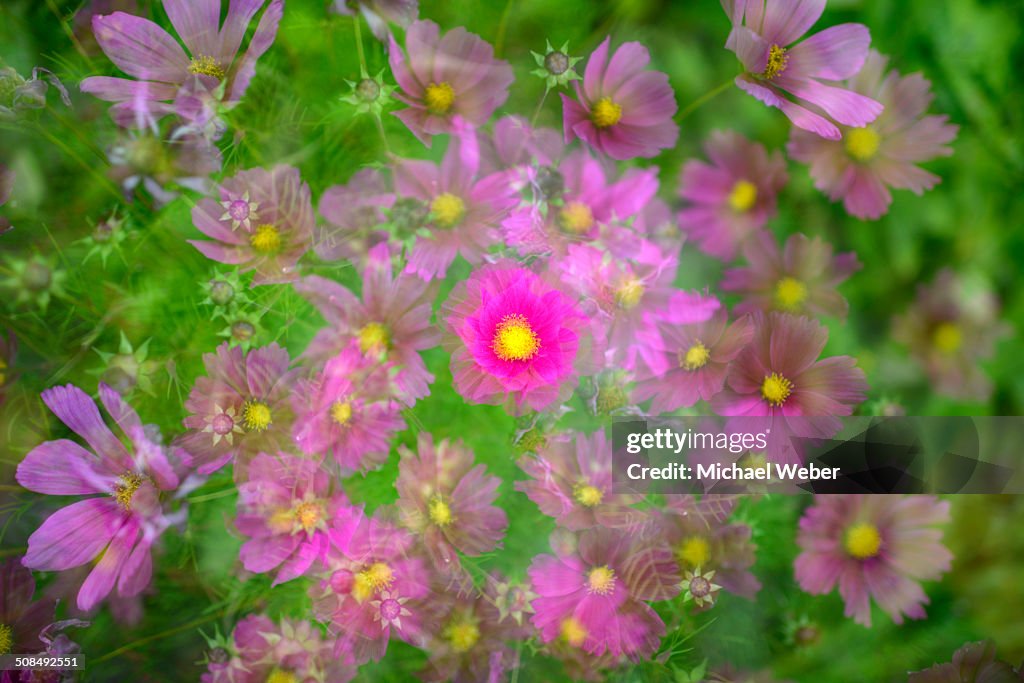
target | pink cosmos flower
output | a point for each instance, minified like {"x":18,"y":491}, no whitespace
{"x":445,"y":78}
{"x":464,"y":210}
{"x":860,"y":168}
{"x":448,"y":501}
{"x":512,"y":336}
{"x":21,"y":618}
{"x":285,"y":508}
{"x":148,"y":53}
{"x":584,"y":203}
{"x":372,"y":590}
{"x":617,"y":294}
{"x":348,"y":412}
{"x":623,"y":110}
{"x":762,"y":36}
{"x":263,"y":221}
{"x":121,"y":525}
{"x":469,"y":644}
{"x":391,"y":322}
{"x":593,"y":598}
{"x":571,"y":480}
{"x":378,"y":13}
{"x":972,"y":663}
{"x":688,"y":362}
{"x":801,"y":278}
{"x":240,"y":408}
{"x":515,"y":144}
{"x":731,"y":198}
{"x":353,"y":212}
{"x":873,"y":546}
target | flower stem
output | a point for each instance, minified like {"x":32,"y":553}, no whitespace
{"x":704,"y":99}
{"x":359,"y":45}
{"x":540,"y":105}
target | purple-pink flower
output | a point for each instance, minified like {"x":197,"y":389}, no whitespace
{"x":285,"y":508}
{"x":120,"y":526}
{"x":873,"y":546}
{"x":860,"y":168}
{"x":623,"y":110}
{"x":262,"y":221}
{"x":731,"y":198}
{"x":21,"y":618}
{"x":762,"y":36}
{"x":513,"y":337}
{"x":390,"y":322}
{"x":158,"y":66}
{"x":353,"y":212}
{"x":469,"y":644}
{"x":446,"y":77}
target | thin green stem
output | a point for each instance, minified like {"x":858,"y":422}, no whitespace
{"x":499,"y":40}
{"x":157,"y":636}
{"x":540,"y":105}
{"x":357,"y":22}
{"x":699,"y":102}
{"x":212,"y":496}
{"x":383,"y":135}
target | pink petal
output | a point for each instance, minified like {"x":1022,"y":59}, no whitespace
{"x":74,"y":534}
{"x":140,"y":48}
{"x":835,"y":54}
{"x":101,"y":579}
{"x":197,"y":23}
{"x":63,"y":468}
{"x":786,"y":20}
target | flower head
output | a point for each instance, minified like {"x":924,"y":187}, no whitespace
{"x":730,"y":199}
{"x":513,"y":336}
{"x":763,"y":36}
{"x":860,"y":168}
{"x":873,"y":546}
{"x":623,"y":110}
{"x":469,"y":643}
{"x":21,"y":618}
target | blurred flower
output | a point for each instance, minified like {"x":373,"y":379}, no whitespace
{"x":373,"y":589}
{"x":347,"y":412}
{"x":391,"y":321}
{"x":128,"y":368}
{"x":511,"y":598}
{"x":594,"y":598}
{"x":464,"y":210}
{"x":18,"y":94}
{"x":106,"y":238}
{"x":284,"y":508}
{"x":146,"y":52}
{"x":571,"y":480}
{"x":21,"y":618}
{"x":225,"y":293}
{"x":623,"y":111}
{"x":949,"y":329}
{"x":515,"y":144}
{"x":876,"y":546}
{"x":687,"y":361}
{"x":34,"y":280}
{"x":162,"y":165}
{"x":512,"y":336}
{"x":378,"y":13}
{"x":556,"y":67}
{"x":442,"y":78}
{"x":732,"y":198}
{"x":762,"y":36}
{"x":370,"y":95}
{"x":118,"y":528}
{"x":276,"y":240}
{"x":801,"y":278}
{"x":860,"y":168}
{"x":448,"y":501}
{"x":354,"y":213}
{"x":469,"y":643}
{"x":972,"y":663}
{"x":240,"y":408}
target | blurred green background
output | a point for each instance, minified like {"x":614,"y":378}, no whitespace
{"x":137,"y":310}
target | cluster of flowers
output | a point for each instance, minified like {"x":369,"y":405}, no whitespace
{"x":574,"y":261}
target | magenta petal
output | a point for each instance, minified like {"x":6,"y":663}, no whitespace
{"x":786,"y":20}
{"x":845,"y":106}
{"x":79,"y":413}
{"x":63,"y":468}
{"x":101,"y":579}
{"x":595,"y":68}
{"x":140,"y":48}
{"x":197,"y":22}
{"x":113,"y":89}
{"x":835,"y":54}
{"x":261,"y":41}
{"x":74,"y":534}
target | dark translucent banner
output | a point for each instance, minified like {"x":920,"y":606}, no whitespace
{"x":818,"y":455}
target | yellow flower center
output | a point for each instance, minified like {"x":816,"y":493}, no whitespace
{"x":266,"y":239}
{"x":743,"y":196}
{"x":281,"y":676}
{"x":206,"y":66}
{"x":948,"y":338}
{"x":6,"y":639}
{"x":448,"y":210}
{"x":777,"y":60}
{"x":341,"y":411}
{"x":776,"y":389}
{"x":308,"y":515}
{"x":462,"y":635}
{"x":862,"y":143}
{"x":576,"y":217}
{"x":695,"y":357}
{"x":573,"y":632}
{"x":790,"y":294}
{"x":378,"y":576}
{"x":694,"y":551}
{"x":440,"y":513}
{"x":587,"y":495}
{"x":514,"y":339}
{"x":601,"y":580}
{"x":373,"y":336}
{"x":127,"y":484}
{"x":863,"y":541}
{"x":605,"y":113}
{"x":256,"y":416}
{"x":439,"y":97}
{"x":629,"y":293}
